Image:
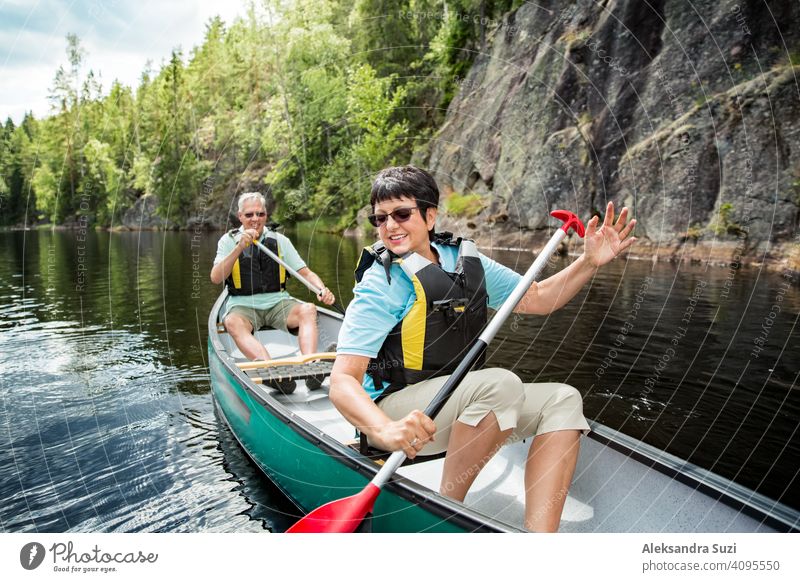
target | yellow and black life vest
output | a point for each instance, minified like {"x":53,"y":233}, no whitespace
{"x":449,"y":312}
{"x":254,"y":272}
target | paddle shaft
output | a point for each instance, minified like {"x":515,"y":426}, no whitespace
{"x":396,"y":459}
{"x":313,"y":288}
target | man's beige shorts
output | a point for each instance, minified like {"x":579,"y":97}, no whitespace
{"x":274,"y":317}
{"x":530,"y":409}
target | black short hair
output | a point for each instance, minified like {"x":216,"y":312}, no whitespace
{"x":410,"y":181}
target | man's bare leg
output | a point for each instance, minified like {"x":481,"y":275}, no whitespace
{"x":304,"y":317}
{"x":241,"y":330}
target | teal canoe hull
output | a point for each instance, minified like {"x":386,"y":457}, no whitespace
{"x":313,"y":469}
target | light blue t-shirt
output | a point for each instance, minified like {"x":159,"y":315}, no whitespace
{"x":287,"y":252}
{"x":378,"y":305}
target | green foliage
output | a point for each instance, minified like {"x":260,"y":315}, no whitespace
{"x":463,"y":205}
{"x":101,"y":179}
{"x":694,"y":232}
{"x":386,"y":33}
{"x":344,"y":185}
{"x":16,"y":157}
{"x":307,"y":99}
{"x":723,"y":223}
{"x":47,"y":189}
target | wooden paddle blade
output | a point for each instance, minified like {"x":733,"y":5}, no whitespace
{"x":340,"y":516}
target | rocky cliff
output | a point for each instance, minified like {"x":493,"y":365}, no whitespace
{"x":687,"y":112}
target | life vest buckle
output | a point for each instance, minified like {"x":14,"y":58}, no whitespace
{"x":452,"y":308}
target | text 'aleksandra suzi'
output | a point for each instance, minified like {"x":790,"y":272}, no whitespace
{"x":694,"y":548}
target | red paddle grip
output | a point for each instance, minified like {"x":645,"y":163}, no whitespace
{"x":570,"y":220}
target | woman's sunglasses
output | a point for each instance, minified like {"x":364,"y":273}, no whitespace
{"x":398,"y":215}
{"x":259,"y":214}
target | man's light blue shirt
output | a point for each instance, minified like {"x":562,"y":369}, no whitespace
{"x":378,"y":305}
{"x":288,"y":253}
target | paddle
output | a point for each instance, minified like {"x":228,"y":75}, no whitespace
{"x":295,"y":274}
{"x":345,"y":515}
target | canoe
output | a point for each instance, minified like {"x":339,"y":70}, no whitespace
{"x":302,"y":444}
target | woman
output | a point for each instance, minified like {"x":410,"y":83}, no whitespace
{"x":419,"y":303}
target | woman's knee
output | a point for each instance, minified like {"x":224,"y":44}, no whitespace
{"x":503,"y":387}
{"x":566,"y":396}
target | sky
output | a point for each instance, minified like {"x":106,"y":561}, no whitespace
{"x":119,"y":36}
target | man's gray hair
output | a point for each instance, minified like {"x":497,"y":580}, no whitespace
{"x":247,"y":196}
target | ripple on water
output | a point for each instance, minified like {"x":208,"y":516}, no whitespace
{"x":98,"y":426}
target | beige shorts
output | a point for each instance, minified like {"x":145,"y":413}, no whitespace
{"x":274,"y":317}
{"x":530,"y":409}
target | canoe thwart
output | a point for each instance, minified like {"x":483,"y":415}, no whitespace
{"x":270,"y":375}
{"x":302,"y":359}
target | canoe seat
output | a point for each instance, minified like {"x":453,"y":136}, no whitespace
{"x":379,"y":457}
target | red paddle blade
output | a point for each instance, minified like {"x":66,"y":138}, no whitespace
{"x":340,"y":516}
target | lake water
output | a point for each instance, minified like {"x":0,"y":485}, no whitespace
{"x":107,"y":421}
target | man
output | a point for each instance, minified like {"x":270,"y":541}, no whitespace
{"x":420,"y":302}
{"x":256,"y":283}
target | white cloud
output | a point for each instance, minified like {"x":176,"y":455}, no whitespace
{"x":25,"y":90}
{"x":119,"y":37}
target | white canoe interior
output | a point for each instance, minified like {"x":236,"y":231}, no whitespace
{"x":612,"y":490}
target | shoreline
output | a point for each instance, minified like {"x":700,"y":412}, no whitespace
{"x":782,"y":256}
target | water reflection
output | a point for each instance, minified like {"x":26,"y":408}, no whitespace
{"x":105,"y":391}
{"x":665,"y":354}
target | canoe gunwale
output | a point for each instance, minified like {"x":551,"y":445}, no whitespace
{"x":440,"y":506}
